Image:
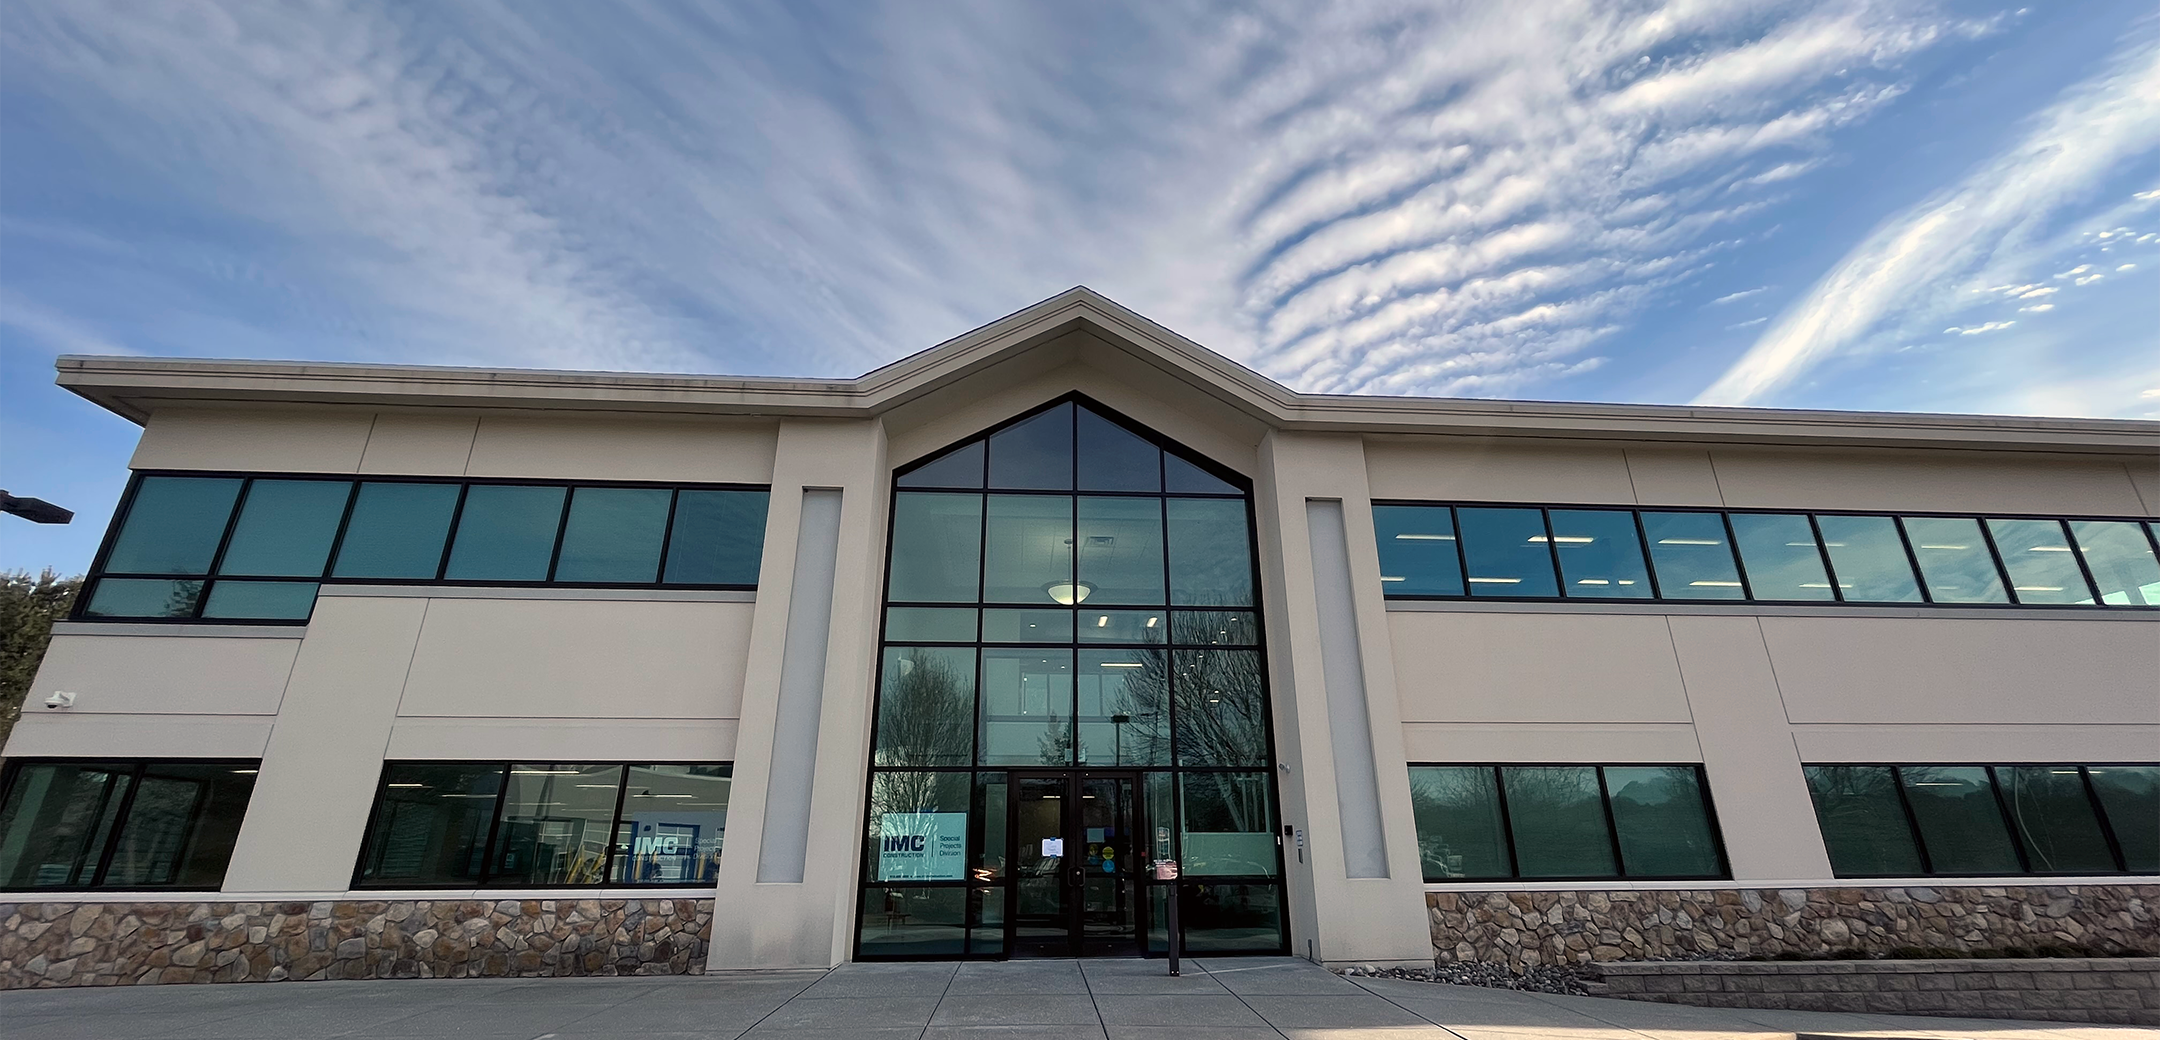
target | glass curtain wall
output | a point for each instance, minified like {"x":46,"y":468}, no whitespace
{"x":1068,"y":593}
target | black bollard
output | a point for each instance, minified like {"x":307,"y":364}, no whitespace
{"x":1173,"y":902}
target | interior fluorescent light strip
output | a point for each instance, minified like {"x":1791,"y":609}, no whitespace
{"x":1689,"y":541}
{"x":1424,"y":538}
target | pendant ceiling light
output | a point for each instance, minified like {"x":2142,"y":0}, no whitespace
{"x":1068,"y":593}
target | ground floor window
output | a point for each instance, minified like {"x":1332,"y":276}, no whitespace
{"x":1565,"y":822}
{"x":1912,"y":820}
{"x":120,"y":823}
{"x":995,"y":863}
{"x":523,"y":824}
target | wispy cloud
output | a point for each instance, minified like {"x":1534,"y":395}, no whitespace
{"x":1916,"y":266}
{"x":1741,"y":295}
{"x":1467,"y":204}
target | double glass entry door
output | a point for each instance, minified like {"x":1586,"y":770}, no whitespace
{"x":1077,"y":865}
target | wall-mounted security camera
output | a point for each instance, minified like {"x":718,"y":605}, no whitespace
{"x":60,"y":699}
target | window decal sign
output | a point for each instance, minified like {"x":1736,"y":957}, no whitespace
{"x":922,"y":846}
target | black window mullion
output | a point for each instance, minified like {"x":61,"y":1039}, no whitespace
{"x":217,"y":559}
{"x":1612,"y":826}
{"x":1642,"y":545}
{"x":1912,"y":820}
{"x":1912,"y":559}
{"x":1822,"y":548}
{"x":337,"y":541}
{"x":1507,"y":822}
{"x":2002,"y":570}
{"x":622,"y":793}
{"x":2107,"y":826}
{"x":502,"y":792}
{"x":667,"y":534}
{"x":562,"y":526}
{"x":119,"y":824}
{"x":442,"y":567}
{"x":1462,"y":555}
{"x":1552,"y":550}
{"x":2009,"y":822}
{"x":1732,"y":545}
{"x":2077,"y":553}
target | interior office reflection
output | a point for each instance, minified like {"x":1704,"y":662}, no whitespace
{"x":1430,"y":551}
{"x":545,"y":825}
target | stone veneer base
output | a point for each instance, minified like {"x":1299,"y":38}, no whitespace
{"x":1526,"y":929}
{"x":2124,"y":990}
{"x":47,"y":944}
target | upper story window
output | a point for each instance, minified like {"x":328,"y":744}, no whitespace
{"x":256,"y":548}
{"x":1533,"y":552}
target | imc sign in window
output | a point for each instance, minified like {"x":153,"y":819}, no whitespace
{"x":928,"y":846}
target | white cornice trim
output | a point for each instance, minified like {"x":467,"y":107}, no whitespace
{"x":132,"y":387}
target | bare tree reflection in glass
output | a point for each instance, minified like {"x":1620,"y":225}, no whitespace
{"x":926,"y":710}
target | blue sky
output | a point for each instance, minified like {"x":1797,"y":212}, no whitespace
{"x":1875,"y":204}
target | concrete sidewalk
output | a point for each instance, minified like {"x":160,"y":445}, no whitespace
{"x":1220,"y":999}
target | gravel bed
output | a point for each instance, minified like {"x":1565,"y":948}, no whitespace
{"x":1543,"y":979}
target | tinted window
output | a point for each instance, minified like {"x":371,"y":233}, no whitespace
{"x":1601,"y":555}
{"x":1035,"y":454}
{"x":1027,"y":625}
{"x":1954,"y":559}
{"x":2038,"y":556}
{"x":431,"y":824}
{"x":1863,"y":821}
{"x":286,"y":528}
{"x":1229,"y":825}
{"x":173,"y":525}
{"x":1182,"y":477}
{"x":2054,"y":820}
{"x":1663,"y":823}
{"x":1027,"y":707}
{"x":1112,"y":458}
{"x":121,"y":824}
{"x":1960,"y":822}
{"x":1221,"y":715}
{"x":1558,"y":817}
{"x":1210,"y":552}
{"x":961,"y":467}
{"x":505,"y":533}
{"x":1120,"y":549}
{"x":555,"y":824}
{"x":926,"y":707}
{"x":1694,"y":558}
{"x":1028,"y":550}
{"x":1459,"y":827}
{"x":1781,"y":557}
{"x":2121,"y":561}
{"x":397,"y":531}
{"x":2131,"y":797}
{"x":261,"y":600}
{"x":613,"y":535}
{"x":930,"y":625}
{"x":1124,"y":707}
{"x":673,"y":820}
{"x":936,"y":547}
{"x":143,"y":598}
{"x":1507,"y":552}
{"x":1417,"y":551}
{"x":718,"y":537}
{"x":1869,"y":559}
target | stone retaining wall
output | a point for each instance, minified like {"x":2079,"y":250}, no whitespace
{"x":104,"y":944}
{"x":2122,"y":990}
{"x":1527,"y":929}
